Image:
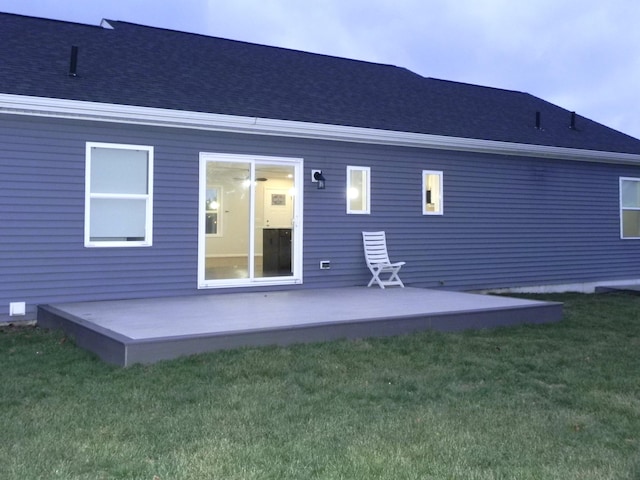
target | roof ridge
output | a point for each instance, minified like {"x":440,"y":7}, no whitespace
{"x":254,"y":44}
{"x":469,"y":84}
{"x":56,"y":20}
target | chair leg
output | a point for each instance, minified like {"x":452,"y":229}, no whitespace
{"x":376,"y":278}
{"x":395,"y":278}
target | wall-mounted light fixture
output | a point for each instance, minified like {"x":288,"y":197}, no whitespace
{"x":316,"y":176}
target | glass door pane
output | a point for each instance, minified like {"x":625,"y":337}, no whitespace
{"x":274,"y":214}
{"x":227,"y":210}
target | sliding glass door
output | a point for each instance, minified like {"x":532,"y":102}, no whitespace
{"x":250,"y":220}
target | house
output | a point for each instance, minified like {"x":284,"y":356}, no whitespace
{"x":139,"y":162}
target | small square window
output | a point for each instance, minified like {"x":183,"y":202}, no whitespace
{"x":432,"y":194}
{"x":358,"y":186}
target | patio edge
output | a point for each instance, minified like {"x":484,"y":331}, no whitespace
{"x":120,"y":350}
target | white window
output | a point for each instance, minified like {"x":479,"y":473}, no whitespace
{"x":629,"y":207}
{"x":432,"y":195}
{"x":118,"y":195}
{"x":358,"y":186}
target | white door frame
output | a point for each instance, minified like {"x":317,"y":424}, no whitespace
{"x":297,"y":222}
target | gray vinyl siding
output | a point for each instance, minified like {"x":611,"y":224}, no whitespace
{"x":507,"y":221}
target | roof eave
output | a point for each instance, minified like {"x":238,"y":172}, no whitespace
{"x":114,"y":113}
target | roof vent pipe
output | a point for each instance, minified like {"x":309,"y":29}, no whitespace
{"x":572,"y":125}
{"x":73,"y":62}
{"x":538,"y":120}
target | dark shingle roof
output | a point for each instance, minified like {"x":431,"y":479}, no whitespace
{"x":144,"y":66}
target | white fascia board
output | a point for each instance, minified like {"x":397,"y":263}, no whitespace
{"x":106,"y":112}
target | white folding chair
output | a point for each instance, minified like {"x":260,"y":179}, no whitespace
{"x":375,"y":253}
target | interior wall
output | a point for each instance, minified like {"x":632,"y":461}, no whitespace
{"x":234,"y":217}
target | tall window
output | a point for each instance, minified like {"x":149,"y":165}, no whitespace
{"x":358,"y":186}
{"x":432,"y":195}
{"x":629,"y":207}
{"x":118,"y":195}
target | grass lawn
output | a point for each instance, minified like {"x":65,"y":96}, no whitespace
{"x":557,"y":401}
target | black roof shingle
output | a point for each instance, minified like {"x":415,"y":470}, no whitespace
{"x":144,"y":66}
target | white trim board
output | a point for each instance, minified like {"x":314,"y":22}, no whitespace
{"x":106,"y":112}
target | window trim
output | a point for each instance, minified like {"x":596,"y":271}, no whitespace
{"x":367,"y":209}
{"x":148,"y":197}
{"x":623,"y":209}
{"x":440,"y":175}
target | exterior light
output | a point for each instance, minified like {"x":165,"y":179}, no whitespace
{"x":318,"y":177}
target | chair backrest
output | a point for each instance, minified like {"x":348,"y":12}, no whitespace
{"x":375,"y":247}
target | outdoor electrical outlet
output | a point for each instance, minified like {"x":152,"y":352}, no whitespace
{"x":17,"y":309}
{"x":325,"y":265}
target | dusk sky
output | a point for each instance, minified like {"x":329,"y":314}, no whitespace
{"x":583,"y":55}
